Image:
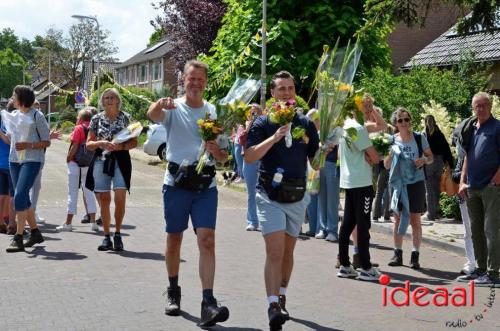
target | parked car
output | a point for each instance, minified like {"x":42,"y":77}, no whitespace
{"x":156,"y":142}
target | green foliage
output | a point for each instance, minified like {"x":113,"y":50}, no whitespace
{"x":59,"y":102}
{"x":449,"y":207}
{"x":135,"y":101}
{"x":165,"y":91}
{"x":297,"y":31}
{"x":155,"y":37}
{"x":11,"y":71}
{"x":68,"y":115}
{"x":301,"y":103}
{"x":67,"y":127}
{"x":451,"y":88}
{"x":22,"y":47}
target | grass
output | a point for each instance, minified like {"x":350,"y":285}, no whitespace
{"x":141,"y":139}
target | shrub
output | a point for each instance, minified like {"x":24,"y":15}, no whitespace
{"x":67,"y":115}
{"x":449,"y":207}
{"x":67,"y":127}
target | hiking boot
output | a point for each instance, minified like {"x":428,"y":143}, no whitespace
{"x":173,"y":307}
{"x":397,"y":259}
{"x":106,"y":245}
{"x":414,"y":260}
{"x":35,"y":238}
{"x":117,"y":239}
{"x":276,"y":317}
{"x":16,"y":245}
{"x":282,"y":302}
{"x":212,"y":313}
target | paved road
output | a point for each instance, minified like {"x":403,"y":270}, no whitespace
{"x":66,"y":284}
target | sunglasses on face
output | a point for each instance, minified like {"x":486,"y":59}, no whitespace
{"x":405,"y":119}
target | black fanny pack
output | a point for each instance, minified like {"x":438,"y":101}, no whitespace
{"x":289,"y":190}
{"x":187,"y":177}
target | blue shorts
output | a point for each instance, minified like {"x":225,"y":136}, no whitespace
{"x":6,"y":187}
{"x":179,"y":204}
{"x":102,"y":181}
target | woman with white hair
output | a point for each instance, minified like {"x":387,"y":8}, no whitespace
{"x":111,"y":165}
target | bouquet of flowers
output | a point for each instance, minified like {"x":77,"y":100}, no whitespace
{"x":209,"y":129}
{"x":382,"y":142}
{"x":131,"y":131}
{"x":282,"y":113}
{"x":334,"y":85}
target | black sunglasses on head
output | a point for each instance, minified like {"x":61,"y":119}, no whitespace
{"x":406,"y":119}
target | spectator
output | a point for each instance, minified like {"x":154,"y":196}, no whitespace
{"x":442,"y":155}
{"x":111,"y":164}
{"x":6,"y":189}
{"x":408,"y":155}
{"x":480,"y":185}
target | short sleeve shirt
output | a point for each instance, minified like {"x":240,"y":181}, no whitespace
{"x":78,"y":136}
{"x":410,"y":151}
{"x":38,"y":131}
{"x":292,"y":160}
{"x":183,"y":140}
{"x":105,"y":128}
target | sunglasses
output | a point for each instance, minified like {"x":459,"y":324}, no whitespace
{"x":405,"y":119}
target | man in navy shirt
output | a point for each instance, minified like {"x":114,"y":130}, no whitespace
{"x":281,"y":199}
{"x":480,"y":184}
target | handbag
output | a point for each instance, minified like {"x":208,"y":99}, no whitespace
{"x":447,"y":184}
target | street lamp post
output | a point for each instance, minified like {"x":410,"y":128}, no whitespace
{"x":94,"y":18}
{"x":50,"y":89}
{"x":264,"y":55}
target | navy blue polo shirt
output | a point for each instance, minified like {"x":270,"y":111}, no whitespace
{"x":332,"y":156}
{"x":292,"y":160}
{"x":483,"y":156}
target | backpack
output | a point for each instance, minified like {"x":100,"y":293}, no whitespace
{"x":83,"y":156}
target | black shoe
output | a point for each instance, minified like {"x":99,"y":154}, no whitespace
{"x":106,"y":245}
{"x":414,"y":260}
{"x":16,"y":245}
{"x":117,"y":239}
{"x":212,"y":313}
{"x":282,"y":302}
{"x":276,"y":317}
{"x":86,"y":219}
{"x":35,"y":238}
{"x":173,"y":307}
{"x":98,"y":221}
{"x":397,"y":259}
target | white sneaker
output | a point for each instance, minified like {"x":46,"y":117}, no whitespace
{"x":332,"y":237}
{"x":39,"y":220}
{"x":346,"y":272}
{"x":94,"y":227}
{"x":320,"y":235}
{"x":371,"y":275}
{"x":251,"y":227}
{"x":65,"y":228}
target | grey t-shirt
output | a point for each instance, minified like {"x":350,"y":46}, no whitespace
{"x":410,"y":151}
{"x":38,"y":131}
{"x":183,"y":139}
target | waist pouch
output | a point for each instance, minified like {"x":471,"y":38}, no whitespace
{"x":188,"y":179}
{"x":290,"y":190}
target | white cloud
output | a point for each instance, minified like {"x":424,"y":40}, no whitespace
{"x":127,"y":20}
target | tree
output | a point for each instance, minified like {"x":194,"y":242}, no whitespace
{"x":22,"y":47}
{"x":11,"y":70}
{"x":190,"y":26}
{"x":67,"y":54}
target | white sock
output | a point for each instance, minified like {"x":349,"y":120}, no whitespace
{"x":272,"y":298}
{"x":414,"y":249}
{"x":282,"y":290}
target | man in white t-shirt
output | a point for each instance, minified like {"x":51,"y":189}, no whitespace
{"x":187,"y":193}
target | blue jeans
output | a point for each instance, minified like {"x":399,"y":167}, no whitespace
{"x":312,"y":214}
{"x":23,"y":178}
{"x":239,"y":160}
{"x":251,"y":175}
{"x":328,"y":198}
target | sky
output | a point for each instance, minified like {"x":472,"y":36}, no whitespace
{"x":127,"y":20}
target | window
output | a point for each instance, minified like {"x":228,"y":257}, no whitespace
{"x":143,"y":73}
{"x":131,"y":76}
{"x":157,"y":70}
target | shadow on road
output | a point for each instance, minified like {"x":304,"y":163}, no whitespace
{"x":312,"y":325}
{"x":397,"y":280}
{"x":197,"y":321}
{"x":56,"y":256}
{"x":142,"y":255}
{"x":124,"y":226}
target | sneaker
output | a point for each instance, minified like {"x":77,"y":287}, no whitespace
{"x":65,"y":228}
{"x":39,"y":220}
{"x":309,"y":234}
{"x":467,"y":269}
{"x":414,"y":264}
{"x":106,"y":245}
{"x":371,"y":275}
{"x":320,"y":235}
{"x":86,"y":219}
{"x":98,"y":221}
{"x":282,"y":303}
{"x":35,"y":238}
{"x":173,"y":306}
{"x":16,"y":245}
{"x":276,"y":317}
{"x":347,"y":272}
{"x":212,"y":313}
{"x":468,"y":277}
{"x":333,"y":237}
{"x":117,"y":239}
{"x":251,"y":227}
{"x":486,"y":280}
{"x":397,"y":259}
{"x":94,"y":227}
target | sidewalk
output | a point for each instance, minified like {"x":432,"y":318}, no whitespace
{"x":446,"y":233}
